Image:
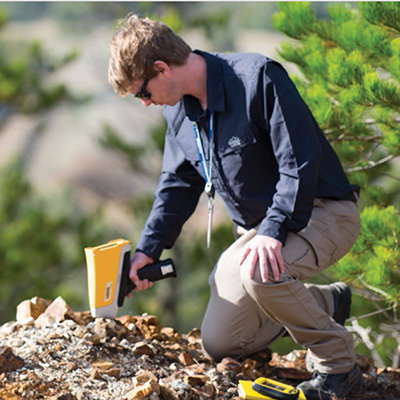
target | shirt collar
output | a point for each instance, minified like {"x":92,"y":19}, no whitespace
{"x":215,"y":89}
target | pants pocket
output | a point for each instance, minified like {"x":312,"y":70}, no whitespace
{"x":332,"y":230}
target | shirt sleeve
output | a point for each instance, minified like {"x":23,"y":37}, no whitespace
{"x":297,"y":152}
{"x":176,"y":197}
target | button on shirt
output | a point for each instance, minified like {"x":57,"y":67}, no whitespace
{"x":270,"y":162}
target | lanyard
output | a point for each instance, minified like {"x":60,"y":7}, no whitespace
{"x":207,"y":169}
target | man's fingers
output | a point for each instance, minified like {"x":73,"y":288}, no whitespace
{"x":245,"y":252}
{"x":251,"y":261}
{"x":263,"y":260}
{"x":274,"y":266}
{"x":267,"y":252}
{"x":143,"y":285}
{"x":139,"y":260}
{"x":281,"y":264}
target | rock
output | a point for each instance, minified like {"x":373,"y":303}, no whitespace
{"x":196,"y":380}
{"x":95,"y":374}
{"x":229,"y":364}
{"x":142,"y":348}
{"x":83,"y":317}
{"x":145,"y":383}
{"x":186,"y":359}
{"x":167,"y":394}
{"x":113,"y":372}
{"x":8,"y":361}
{"x":67,"y":396}
{"x":194,"y":336}
{"x":59,"y":310}
{"x":102,"y":365}
{"x":31,"y":308}
{"x":72,"y":356}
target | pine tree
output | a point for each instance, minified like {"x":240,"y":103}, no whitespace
{"x":350,"y":78}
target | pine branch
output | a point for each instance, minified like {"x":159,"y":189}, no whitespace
{"x":371,"y":164}
{"x":372,"y":313}
{"x":364,"y":335}
{"x":367,"y":294}
{"x":390,"y":327}
{"x":345,"y":137}
{"x":373,"y":288}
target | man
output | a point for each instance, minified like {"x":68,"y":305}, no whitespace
{"x":238,"y":127}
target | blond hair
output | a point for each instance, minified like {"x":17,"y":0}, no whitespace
{"x":136,"y":45}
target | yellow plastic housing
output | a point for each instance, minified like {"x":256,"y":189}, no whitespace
{"x":104,"y":268}
{"x":248,"y":393}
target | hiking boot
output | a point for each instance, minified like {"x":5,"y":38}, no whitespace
{"x":342,"y":301}
{"x":331,"y":386}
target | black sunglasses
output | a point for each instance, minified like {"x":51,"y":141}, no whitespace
{"x":142,"y":93}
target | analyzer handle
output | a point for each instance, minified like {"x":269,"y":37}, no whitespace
{"x":274,"y":389}
{"x":152,"y":272}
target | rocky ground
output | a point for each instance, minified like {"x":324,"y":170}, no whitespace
{"x":51,"y":352}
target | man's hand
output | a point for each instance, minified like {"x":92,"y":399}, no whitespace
{"x":267,"y":251}
{"x":139,"y":260}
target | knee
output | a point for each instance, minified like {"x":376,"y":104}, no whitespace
{"x":216,"y":344}
{"x":262,"y":292}
{"x":213,"y":348}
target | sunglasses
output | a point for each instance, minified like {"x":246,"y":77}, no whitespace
{"x":142,"y":93}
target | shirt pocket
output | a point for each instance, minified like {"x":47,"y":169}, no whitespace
{"x":236,"y":142}
{"x":243,"y":159}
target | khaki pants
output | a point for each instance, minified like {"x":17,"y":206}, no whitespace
{"x":245,"y":316}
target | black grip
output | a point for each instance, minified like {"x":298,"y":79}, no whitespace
{"x":152,"y":272}
{"x":160,"y":270}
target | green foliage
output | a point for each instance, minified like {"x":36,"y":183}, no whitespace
{"x":375,"y":257}
{"x":25,"y":68}
{"x":383,"y":14}
{"x":350,"y":66}
{"x":3,"y":17}
{"x":295,"y":19}
{"x":172,"y":18}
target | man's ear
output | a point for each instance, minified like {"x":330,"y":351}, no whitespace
{"x":161,"y":67}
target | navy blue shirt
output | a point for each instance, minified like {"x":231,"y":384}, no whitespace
{"x":270,"y":160}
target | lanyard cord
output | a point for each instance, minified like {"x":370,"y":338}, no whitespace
{"x":208,"y":188}
{"x":207,"y":170}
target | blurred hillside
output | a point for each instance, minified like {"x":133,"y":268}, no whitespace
{"x":66,"y":155}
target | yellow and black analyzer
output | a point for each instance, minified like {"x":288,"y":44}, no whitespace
{"x":108,"y":268}
{"x":268,"y":389}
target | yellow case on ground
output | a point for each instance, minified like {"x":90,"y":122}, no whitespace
{"x":246,"y":391}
